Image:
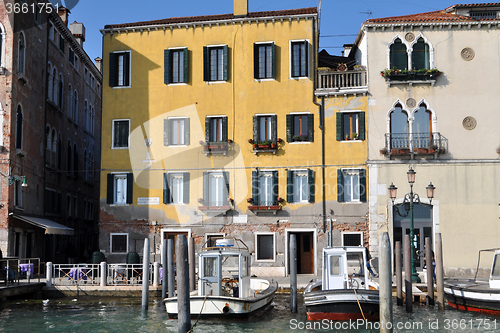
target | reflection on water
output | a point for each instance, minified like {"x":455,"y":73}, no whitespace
{"x":124,"y":315}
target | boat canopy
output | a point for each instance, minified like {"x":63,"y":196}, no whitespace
{"x":344,"y":268}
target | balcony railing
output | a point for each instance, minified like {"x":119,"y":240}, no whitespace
{"x":415,"y":144}
{"x":220,"y":147}
{"x":341,"y":82}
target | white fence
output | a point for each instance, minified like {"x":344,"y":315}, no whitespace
{"x":91,"y":274}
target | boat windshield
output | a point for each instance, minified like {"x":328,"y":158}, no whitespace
{"x":496,"y":266}
{"x":355,"y":264}
{"x":230,"y":266}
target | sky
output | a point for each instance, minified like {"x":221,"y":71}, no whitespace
{"x":340,"y":19}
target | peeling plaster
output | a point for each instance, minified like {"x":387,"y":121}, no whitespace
{"x":352,"y":104}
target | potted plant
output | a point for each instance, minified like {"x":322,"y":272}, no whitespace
{"x":264,"y":144}
{"x":200,"y":200}
{"x":304,"y":137}
{"x":280,"y":199}
{"x":273,"y":145}
{"x":250,"y":200}
{"x":354,"y":136}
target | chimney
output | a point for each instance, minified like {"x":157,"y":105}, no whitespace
{"x":98,"y":64}
{"x":240,"y":8}
{"x":347,"y":50}
{"x":78,"y":31}
{"x":64,"y":14}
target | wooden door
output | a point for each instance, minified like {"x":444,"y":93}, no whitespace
{"x":173,"y":235}
{"x":306,"y":253}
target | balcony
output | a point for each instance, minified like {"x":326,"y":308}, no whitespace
{"x":404,"y":144}
{"x":220,"y":147}
{"x":342,"y":82}
{"x":395,"y":76}
{"x":270,"y":146}
{"x":214,"y":207}
{"x":265,"y":207}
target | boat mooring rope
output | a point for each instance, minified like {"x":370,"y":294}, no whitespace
{"x":199,"y":315}
{"x":360,"y":309}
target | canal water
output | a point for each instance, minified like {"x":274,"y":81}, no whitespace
{"x":87,"y":314}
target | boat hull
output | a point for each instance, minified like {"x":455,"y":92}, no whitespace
{"x":224,"y":305}
{"x":472,"y":296}
{"x":342,"y":304}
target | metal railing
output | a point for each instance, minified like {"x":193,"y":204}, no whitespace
{"x":341,"y":80}
{"x":410,"y":143}
{"x":13,"y":270}
{"x":90,"y":274}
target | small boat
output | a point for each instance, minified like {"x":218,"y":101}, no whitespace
{"x":344,"y":292}
{"x":225,"y":286}
{"x":475,"y":294}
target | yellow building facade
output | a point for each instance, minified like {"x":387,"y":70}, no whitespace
{"x":211,"y":128}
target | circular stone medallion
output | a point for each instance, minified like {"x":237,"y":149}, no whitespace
{"x":467,"y":54}
{"x":411,"y":103}
{"x":469,"y":123}
{"x":410,"y":37}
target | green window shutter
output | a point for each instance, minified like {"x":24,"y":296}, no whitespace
{"x":185,"y":184}
{"x":398,"y":55}
{"x":113,"y":70}
{"x":289,"y":127}
{"x":289,"y":186}
{"x":362,"y":185}
{"x":256,"y":61}
{"x":276,"y":187}
{"x":255,"y":129}
{"x":340,"y":186}
{"x":187,"y":135}
{"x":126,"y":69}
{"x":312,"y":188}
{"x":166,"y":189}
{"x":205,"y":187}
{"x":274,"y":127}
{"x":226,"y":63}
{"x":255,"y":187}
{"x":273,"y":61}
{"x":310,"y":127}
{"x":224,"y":129}
{"x":110,"y":190}
{"x":225,"y":195}
{"x":207,"y":129}
{"x":206,"y":64}
{"x":130,"y":188}
{"x":166,"y":65}
{"x":339,"y":126}
{"x":186,"y":65}
{"x":361,"y":126}
{"x":306,"y":69}
{"x":166,"y":130}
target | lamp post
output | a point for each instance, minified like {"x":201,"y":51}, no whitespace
{"x":411,"y":198}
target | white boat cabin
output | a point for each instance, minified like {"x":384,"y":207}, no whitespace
{"x":495,"y":271}
{"x":224,"y":270}
{"x":345,"y":268}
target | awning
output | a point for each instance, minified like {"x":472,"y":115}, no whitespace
{"x":50,"y":227}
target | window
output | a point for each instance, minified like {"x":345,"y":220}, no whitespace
{"x":76,"y":64}
{"x":398,"y":55}
{"x":37,"y":14}
{"x":118,"y":243}
{"x":215,"y":188}
{"x":215,"y":63}
{"x":263,"y":55}
{"x":399,"y":128}
{"x":176,"y":131}
{"x":52,"y":201}
{"x":76,"y":165}
{"x":299,"y":59}
{"x":75,"y":108}
{"x":265,"y":244}
{"x":265,"y":188}
{"x":350,"y":126}
{"x":210,"y":239}
{"x":422,"y":127}
{"x":21,"y":53}
{"x":351,"y":185}
{"x":265,"y":128}
{"x":352,"y":238}
{"x":420,"y":55}
{"x":119,"y":69}
{"x":121,"y":133}
{"x":176,"y":66}
{"x":59,"y":100}
{"x":61,"y":43}
{"x":299,"y":127}
{"x":52,"y":31}
{"x":18,"y":192}
{"x":71,"y":56}
{"x":68,"y":205}
{"x":19,"y":128}
{"x":120,"y":188}
{"x":300,"y":186}
{"x":176,"y":188}
{"x":216,"y":129}
{"x":69,"y":161}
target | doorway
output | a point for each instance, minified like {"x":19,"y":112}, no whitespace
{"x":422,"y":228}
{"x":305,"y":252}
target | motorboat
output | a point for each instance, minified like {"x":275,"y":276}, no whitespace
{"x":345,"y":291}
{"x":225,"y":284}
{"x":476,"y":294}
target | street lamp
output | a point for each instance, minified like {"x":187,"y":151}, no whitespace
{"x":410,"y":199}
